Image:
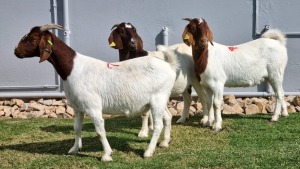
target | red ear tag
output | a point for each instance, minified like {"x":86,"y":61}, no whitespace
{"x":232,"y":48}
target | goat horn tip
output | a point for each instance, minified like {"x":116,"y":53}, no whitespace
{"x":187,"y":19}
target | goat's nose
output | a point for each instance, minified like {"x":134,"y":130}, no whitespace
{"x":133,"y":42}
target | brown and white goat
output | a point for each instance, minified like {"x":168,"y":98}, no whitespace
{"x":132,"y":87}
{"x":126,"y":39}
{"x":242,"y":65}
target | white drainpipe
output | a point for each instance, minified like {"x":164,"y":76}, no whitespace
{"x":165,"y":36}
{"x":39,"y":94}
{"x":66,"y":22}
{"x":55,"y":15}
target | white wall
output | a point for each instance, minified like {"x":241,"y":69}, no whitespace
{"x":232,"y":22}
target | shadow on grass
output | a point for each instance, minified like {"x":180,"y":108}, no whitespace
{"x":90,"y":144}
{"x":114,"y":126}
{"x":122,"y":123}
{"x":266,"y":117}
{"x":111,"y":124}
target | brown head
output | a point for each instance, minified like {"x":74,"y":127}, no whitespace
{"x":197,"y":33}
{"x":38,"y":42}
{"x":125,"y":37}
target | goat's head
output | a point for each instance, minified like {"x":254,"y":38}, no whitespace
{"x":38,"y":42}
{"x":124,"y":36}
{"x":197,"y":33}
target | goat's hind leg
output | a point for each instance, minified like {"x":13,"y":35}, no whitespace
{"x":167,"y":133}
{"x":281,"y":107}
{"x":187,"y":100}
{"x":77,"y":127}
{"x":145,"y":128}
{"x":157,"y":109}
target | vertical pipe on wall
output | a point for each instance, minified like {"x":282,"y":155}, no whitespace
{"x":55,"y":18}
{"x":66,"y":22}
{"x":55,"y":15}
{"x":165,"y":36}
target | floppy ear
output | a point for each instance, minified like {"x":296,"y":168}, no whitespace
{"x":138,"y":39}
{"x":115,"y":40}
{"x":187,"y":37}
{"x":45,"y":47}
{"x":209,"y":34}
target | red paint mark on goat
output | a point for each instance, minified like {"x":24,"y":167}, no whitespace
{"x":232,"y":48}
{"x":110,"y":65}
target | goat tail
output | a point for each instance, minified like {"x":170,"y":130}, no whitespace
{"x":276,"y":35}
{"x":170,"y":56}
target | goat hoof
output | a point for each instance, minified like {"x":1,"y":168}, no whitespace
{"x":180,"y":121}
{"x":274,"y":119}
{"x":206,"y":123}
{"x":148,"y":154}
{"x":164,"y":144}
{"x":73,"y":151}
{"x":216,"y":128}
{"x":143,"y":134}
{"x":151,"y":127}
{"x":106,"y":158}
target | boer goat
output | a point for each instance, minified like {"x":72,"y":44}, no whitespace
{"x":242,"y":65}
{"x":93,"y":86}
{"x":125,"y":38}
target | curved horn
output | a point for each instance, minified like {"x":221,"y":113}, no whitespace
{"x":187,"y":19}
{"x":116,"y":25}
{"x":51,"y":26}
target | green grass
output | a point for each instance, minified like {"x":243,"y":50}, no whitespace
{"x":244,"y":142}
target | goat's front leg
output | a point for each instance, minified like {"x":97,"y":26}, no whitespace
{"x":77,"y":127}
{"x":187,"y":100}
{"x":145,"y":129}
{"x":207,"y":98}
{"x":96,"y":116}
{"x":217,"y":102}
{"x":157,"y":110}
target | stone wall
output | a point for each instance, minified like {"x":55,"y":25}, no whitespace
{"x":53,"y":108}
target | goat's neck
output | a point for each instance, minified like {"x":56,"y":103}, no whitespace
{"x":125,"y":54}
{"x":62,"y":58}
{"x":200,"y":56}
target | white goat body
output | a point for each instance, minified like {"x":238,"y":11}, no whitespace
{"x":130,"y":87}
{"x":112,"y":84}
{"x":245,"y":65}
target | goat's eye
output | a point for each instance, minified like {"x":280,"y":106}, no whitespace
{"x":192,"y":28}
{"x":121,"y":31}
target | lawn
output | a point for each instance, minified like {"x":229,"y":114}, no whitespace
{"x":244,"y":142}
